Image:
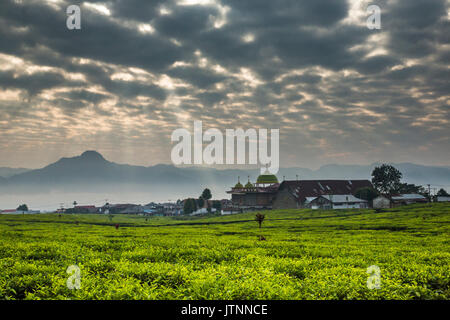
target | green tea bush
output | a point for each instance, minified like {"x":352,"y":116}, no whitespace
{"x":308,"y":254}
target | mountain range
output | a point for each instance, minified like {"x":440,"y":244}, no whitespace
{"x":91,"y":172}
{"x":8,"y":172}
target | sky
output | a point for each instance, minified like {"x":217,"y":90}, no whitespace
{"x":338,"y":91}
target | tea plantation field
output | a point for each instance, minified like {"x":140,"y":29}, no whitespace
{"x":306,"y":255}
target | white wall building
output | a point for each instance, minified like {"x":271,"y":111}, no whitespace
{"x":443,"y":199}
{"x":203,"y":211}
{"x":336,"y":201}
{"x":381,"y":203}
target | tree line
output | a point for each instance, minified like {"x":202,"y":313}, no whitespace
{"x":386,"y":180}
{"x":191,"y":205}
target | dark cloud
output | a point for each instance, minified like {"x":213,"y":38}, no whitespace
{"x":338,"y":91}
{"x":376,"y":64}
{"x":137,"y":9}
{"x":415,"y":28}
{"x":34,"y":83}
{"x":185,"y":22}
{"x":199,"y":77}
{"x":84,"y":95}
{"x":287,"y":13}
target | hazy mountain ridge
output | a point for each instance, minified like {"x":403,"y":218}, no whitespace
{"x":6,"y":172}
{"x":91,"y":179}
{"x":412,"y":173}
{"x":91,"y":171}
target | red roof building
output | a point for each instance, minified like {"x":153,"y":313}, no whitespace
{"x":9,"y":211}
{"x":294,"y":194}
{"x":85,"y":209}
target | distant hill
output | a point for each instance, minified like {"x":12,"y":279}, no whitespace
{"x":92,"y":168}
{"x":91,"y":172}
{"x":8,"y":172}
{"x":412,"y":173}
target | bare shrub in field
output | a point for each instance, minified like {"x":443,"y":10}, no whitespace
{"x":260,"y":218}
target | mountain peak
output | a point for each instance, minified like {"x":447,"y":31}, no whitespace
{"x":92,"y":155}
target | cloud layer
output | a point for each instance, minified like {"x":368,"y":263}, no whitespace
{"x":137,"y":70}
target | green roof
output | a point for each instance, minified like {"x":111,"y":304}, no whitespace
{"x":267,"y":179}
{"x":238,"y":186}
{"x":249,"y":185}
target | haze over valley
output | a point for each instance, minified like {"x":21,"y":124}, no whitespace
{"x":92,"y":179}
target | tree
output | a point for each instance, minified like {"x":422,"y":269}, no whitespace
{"x":200,"y":202}
{"x":190,"y":205}
{"x":206,"y":194}
{"x":366,"y":193}
{"x":411,"y":188}
{"x":217,"y":205}
{"x":22,"y":207}
{"x":442,"y":193}
{"x":194,"y":205}
{"x":386,"y":179}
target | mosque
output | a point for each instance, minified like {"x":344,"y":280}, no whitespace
{"x":267,"y":193}
{"x":257,"y":196}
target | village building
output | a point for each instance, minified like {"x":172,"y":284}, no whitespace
{"x":335,"y":201}
{"x":15,"y":211}
{"x":203,"y":210}
{"x":163,"y":209}
{"x":442,"y":199}
{"x":405,"y":199}
{"x":122,"y":209}
{"x":228,"y":208}
{"x":335,"y":193}
{"x":381,"y":202}
{"x":257,"y":196}
{"x":171,"y":209}
{"x":267,"y":193}
{"x":152,"y":209}
{"x":85,"y":209}
{"x":10,"y":211}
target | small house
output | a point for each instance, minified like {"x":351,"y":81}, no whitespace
{"x":405,"y":199}
{"x":10,"y":211}
{"x":442,"y":199}
{"x":300,"y":193}
{"x":85,"y":209}
{"x":335,"y":201}
{"x":381,"y":202}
